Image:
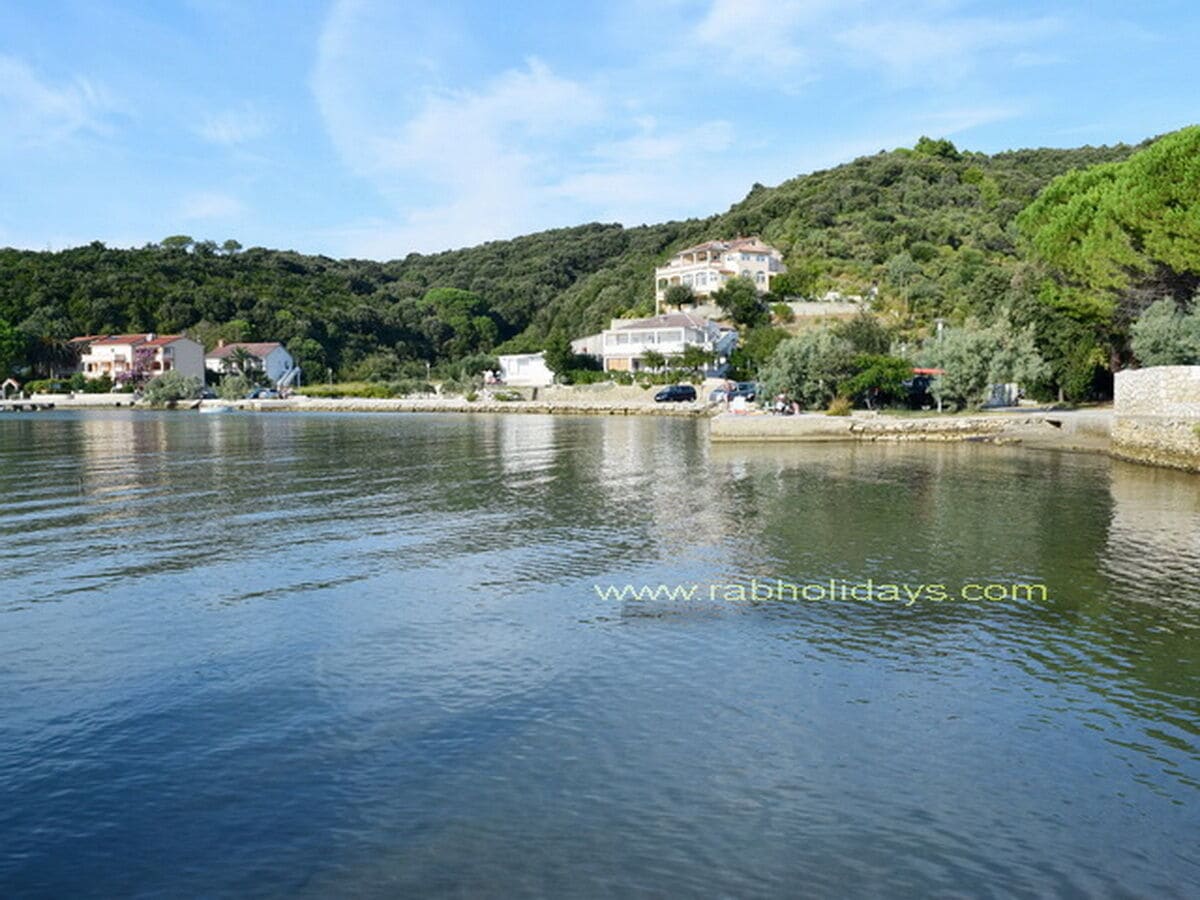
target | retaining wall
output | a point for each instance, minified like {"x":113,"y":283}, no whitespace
{"x":1157,"y":416}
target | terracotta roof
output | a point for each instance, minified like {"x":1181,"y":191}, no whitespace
{"x":115,"y":339}
{"x":260,"y":350}
{"x":164,"y":340}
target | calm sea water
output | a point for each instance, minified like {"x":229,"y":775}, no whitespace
{"x":365,"y":655}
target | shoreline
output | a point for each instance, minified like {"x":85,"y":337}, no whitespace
{"x":1097,"y":431}
{"x":1080,"y":430}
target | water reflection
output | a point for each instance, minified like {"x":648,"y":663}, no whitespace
{"x":365,"y":653}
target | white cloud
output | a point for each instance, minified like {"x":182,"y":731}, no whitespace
{"x":38,"y":113}
{"x":462,"y":155}
{"x":204,"y":205}
{"x":936,"y":48}
{"x":233,"y":126}
{"x":760,"y":33}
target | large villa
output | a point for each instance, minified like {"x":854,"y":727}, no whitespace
{"x":706,"y":267}
{"x":623,"y":346}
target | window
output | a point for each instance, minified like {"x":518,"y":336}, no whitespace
{"x":687,"y":279}
{"x":745,"y":273}
{"x":760,"y":278}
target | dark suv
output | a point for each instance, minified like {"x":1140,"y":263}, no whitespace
{"x":676,"y":393}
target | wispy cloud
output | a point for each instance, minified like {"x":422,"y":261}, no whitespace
{"x":934,"y":48}
{"x":36,"y":112}
{"x":233,"y":126}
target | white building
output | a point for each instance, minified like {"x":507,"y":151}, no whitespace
{"x":144,"y":355}
{"x":269,"y":357}
{"x":624,"y":345}
{"x":706,"y":267}
{"x":525,"y":370}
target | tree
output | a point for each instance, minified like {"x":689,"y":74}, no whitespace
{"x":739,"y":300}
{"x":695,"y":359}
{"x":754,"y":349}
{"x":1165,"y":337}
{"x":240,"y":360}
{"x":177,"y":242}
{"x":231,"y":246}
{"x":866,"y":334}
{"x":679,"y":296}
{"x":879,"y":380}
{"x":808,"y":368}
{"x":653,"y":360}
{"x":559,"y":356}
{"x":234,"y":387}
{"x":975,"y":358}
{"x":782,"y":312}
{"x":1122,"y":234}
{"x":12,"y":349}
{"x":171,"y":387}
{"x":942,"y":149}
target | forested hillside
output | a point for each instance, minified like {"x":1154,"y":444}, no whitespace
{"x":934,"y":230}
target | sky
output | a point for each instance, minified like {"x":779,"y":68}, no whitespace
{"x":376,"y":128}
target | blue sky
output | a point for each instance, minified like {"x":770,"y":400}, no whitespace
{"x":373,"y":129}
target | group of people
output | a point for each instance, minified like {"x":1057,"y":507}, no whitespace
{"x":783,"y":405}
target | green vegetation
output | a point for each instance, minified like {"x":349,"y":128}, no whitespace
{"x":1074,"y":244}
{"x":234,"y":387}
{"x":376,"y":390}
{"x":1165,"y":337}
{"x":170,"y":388}
{"x":975,"y":357}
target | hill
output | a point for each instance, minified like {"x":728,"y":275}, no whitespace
{"x":932,"y":228}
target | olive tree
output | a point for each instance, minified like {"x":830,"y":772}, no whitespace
{"x":1162,"y":336}
{"x":808,"y":368}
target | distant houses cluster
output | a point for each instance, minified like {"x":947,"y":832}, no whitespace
{"x":124,"y":357}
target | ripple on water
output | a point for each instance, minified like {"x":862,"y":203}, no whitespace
{"x":366,"y":654}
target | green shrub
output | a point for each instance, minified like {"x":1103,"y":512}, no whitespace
{"x":409,"y":386}
{"x":839,"y":406}
{"x":508,"y":396}
{"x":169,"y":388}
{"x":453,"y":387}
{"x":101,"y":385}
{"x":364,"y":389}
{"x":234,"y":387}
{"x":471,"y":396}
{"x":47,"y":386}
{"x":783,"y":312}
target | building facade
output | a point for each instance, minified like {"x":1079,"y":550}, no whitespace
{"x":138,"y":356}
{"x":705,"y":268}
{"x":624,"y":345}
{"x":525,"y":370}
{"x":269,"y":357}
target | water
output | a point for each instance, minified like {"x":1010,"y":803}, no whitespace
{"x":364,"y":656}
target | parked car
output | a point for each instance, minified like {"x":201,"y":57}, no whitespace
{"x":676,"y":393}
{"x":263,"y":393}
{"x":747,"y":389}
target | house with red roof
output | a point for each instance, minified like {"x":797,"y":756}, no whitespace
{"x":124,"y":357}
{"x":270,"y":358}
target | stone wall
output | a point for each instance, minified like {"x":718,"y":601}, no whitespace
{"x":1157,"y":416}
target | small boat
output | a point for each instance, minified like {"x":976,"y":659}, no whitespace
{"x":218,"y":409}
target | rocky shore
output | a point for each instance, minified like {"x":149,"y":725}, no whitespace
{"x":556,"y":406}
{"x":1082,"y":431}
